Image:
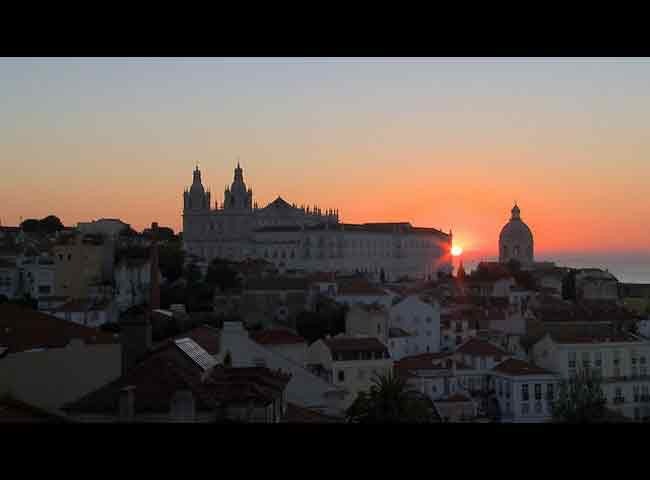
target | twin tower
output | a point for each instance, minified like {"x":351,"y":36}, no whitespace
{"x":235,"y":197}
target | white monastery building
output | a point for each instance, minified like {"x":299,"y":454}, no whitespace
{"x":306,"y":238}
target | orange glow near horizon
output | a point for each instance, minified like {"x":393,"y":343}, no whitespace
{"x":456,"y":251}
{"x":443,"y":145}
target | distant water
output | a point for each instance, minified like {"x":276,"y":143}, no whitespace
{"x":628,"y":267}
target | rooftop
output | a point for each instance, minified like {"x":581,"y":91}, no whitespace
{"x":480,"y":348}
{"x":354,"y":344}
{"x":23,"y":329}
{"x":513,"y":366}
{"x":276,"y":283}
{"x":277,"y":337}
{"x":168,"y":370}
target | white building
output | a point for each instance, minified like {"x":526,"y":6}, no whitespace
{"x":524,"y":392}
{"x":350,"y":363}
{"x":304,"y":389}
{"x":596,"y":284}
{"x":38,"y":276}
{"x":421,"y":320}
{"x":132,"y":279}
{"x":306,"y":238}
{"x":620,"y":359}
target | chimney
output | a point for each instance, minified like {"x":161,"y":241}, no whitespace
{"x":127,"y":404}
{"x":155,"y":287}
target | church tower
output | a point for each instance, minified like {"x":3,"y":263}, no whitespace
{"x":196,"y":198}
{"x":237,"y":197}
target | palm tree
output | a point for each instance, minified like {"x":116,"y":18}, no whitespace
{"x":390,"y":400}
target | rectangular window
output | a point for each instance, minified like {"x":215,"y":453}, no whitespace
{"x":341,"y":376}
{"x":618,"y":396}
{"x":572,"y":360}
{"x":635,"y":389}
{"x":538,"y":391}
{"x":525,"y":408}
{"x":524,"y":392}
{"x":538,"y":407}
{"x":550,"y":394}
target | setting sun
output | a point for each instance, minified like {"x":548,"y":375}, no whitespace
{"x":456,"y":250}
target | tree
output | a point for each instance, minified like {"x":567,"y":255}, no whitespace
{"x":581,"y":400}
{"x":170,"y":260}
{"x":391,"y":401}
{"x":50,"y":224}
{"x":31,"y":225}
{"x":221,"y":274}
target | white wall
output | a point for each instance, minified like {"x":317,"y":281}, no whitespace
{"x":421,"y":320}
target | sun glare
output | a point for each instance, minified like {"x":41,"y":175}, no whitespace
{"x":456,"y":250}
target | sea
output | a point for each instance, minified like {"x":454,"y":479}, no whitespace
{"x":627,"y":267}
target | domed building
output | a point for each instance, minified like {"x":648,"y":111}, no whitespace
{"x":516,"y":240}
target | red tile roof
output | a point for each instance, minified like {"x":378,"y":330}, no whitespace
{"x":168,"y":370}
{"x":23,"y":329}
{"x":353,"y":344}
{"x":480,"y":348}
{"x":513,"y":366}
{"x":277,"y":337}
{"x":424,"y":361}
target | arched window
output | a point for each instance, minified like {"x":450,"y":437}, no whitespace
{"x":515,"y":251}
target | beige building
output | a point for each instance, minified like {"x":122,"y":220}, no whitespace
{"x":80,"y":262}
{"x":368,"y":321}
{"x":47,"y":361}
{"x":349,"y":362}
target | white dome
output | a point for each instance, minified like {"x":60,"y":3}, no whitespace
{"x":516,"y":240}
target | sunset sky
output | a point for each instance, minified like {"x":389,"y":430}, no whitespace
{"x":449,"y":144}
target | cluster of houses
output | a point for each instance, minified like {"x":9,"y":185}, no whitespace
{"x":492,"y":346}
{"x":76,"y":273}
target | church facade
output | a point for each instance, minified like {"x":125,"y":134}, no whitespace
{"x":306,"y":238}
